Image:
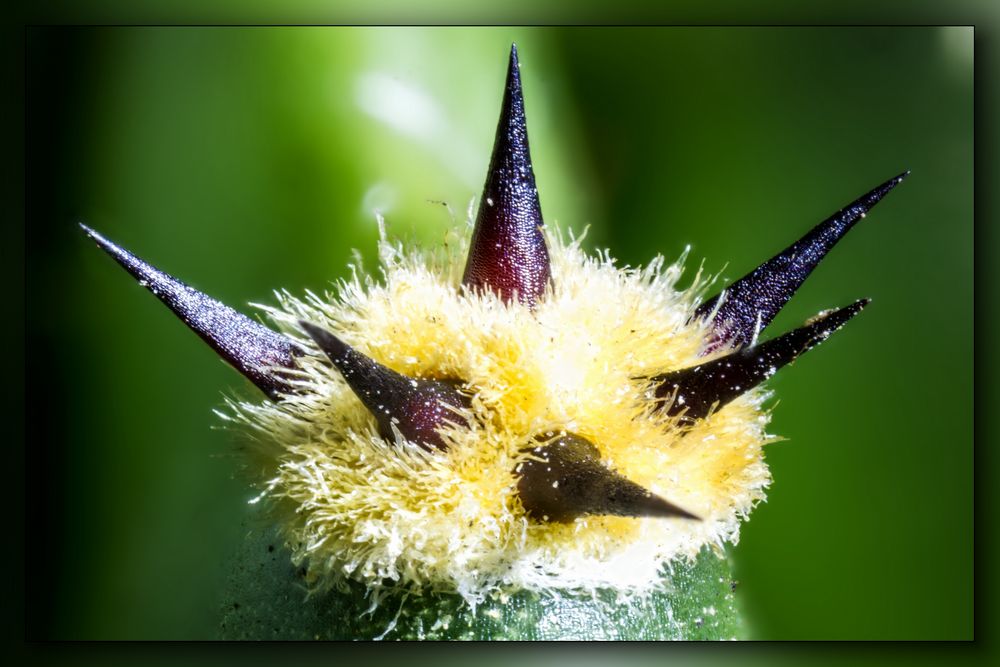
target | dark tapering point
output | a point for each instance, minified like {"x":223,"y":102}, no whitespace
{"x":418,"y":408}
{"x":694,"y":392}
{"x":507,"y":253}
{"x":570,"y":481}
{"x":754,"y":300}
{"x":251,"y":348}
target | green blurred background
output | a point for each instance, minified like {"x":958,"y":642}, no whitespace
{"x":248,"y":159}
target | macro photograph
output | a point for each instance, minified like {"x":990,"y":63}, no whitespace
{"x":506,"y":333}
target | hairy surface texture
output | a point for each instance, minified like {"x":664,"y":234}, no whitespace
{"x":389,"y":513}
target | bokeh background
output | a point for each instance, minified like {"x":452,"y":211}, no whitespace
{"x":247,"y":159}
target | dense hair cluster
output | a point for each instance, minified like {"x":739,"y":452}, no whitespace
{"x":375,"y":508}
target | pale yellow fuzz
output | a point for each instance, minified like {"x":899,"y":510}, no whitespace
{"x":388,"y":513}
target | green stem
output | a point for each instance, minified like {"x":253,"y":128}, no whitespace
{"x":266,"y":599}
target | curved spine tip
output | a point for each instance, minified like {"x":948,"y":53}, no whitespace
{"x":507,"y":253}
{"x":568,"y":480}
{"x":752,"y":302}
{"x":696,"y":391}
{"x":251,"y":348}
{"x":417,"y":408}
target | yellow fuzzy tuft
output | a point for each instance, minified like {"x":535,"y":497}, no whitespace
{"x":390,"y":513}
